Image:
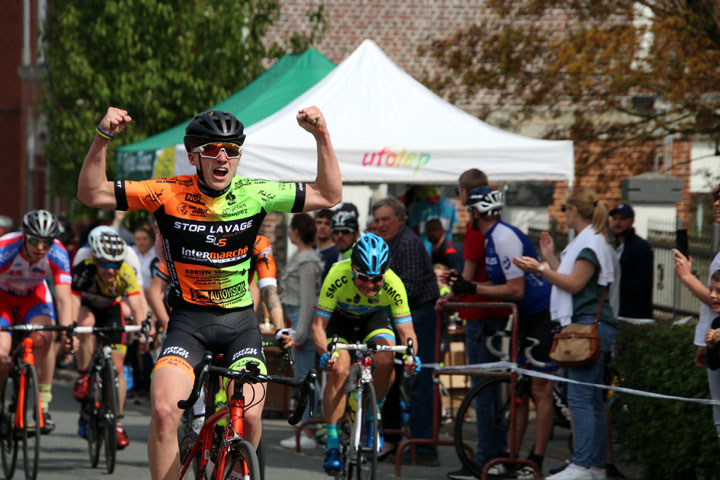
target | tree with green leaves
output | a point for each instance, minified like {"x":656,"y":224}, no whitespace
{"x":611,"y":73}
{"x":162,"y":60}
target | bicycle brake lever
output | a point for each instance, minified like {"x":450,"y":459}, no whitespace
{"x":199,"y":379}
{"x":306,"y":390}
{"x":290,"y":357}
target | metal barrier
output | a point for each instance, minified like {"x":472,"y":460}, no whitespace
{"x":512,"y":459}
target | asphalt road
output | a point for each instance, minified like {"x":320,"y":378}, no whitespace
{"x":64,"y":454}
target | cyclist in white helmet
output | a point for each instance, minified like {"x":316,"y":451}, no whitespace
{"x":27,"y":259}
{"x":98,"y":284}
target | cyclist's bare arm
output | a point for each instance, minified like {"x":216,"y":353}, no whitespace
{"x":155,"y":297}
{"x":406,"y":331}
{"x":271,"y":299}
{"x":326,"y":192}
{"x":138,"y":307}
{"x":75,"y":302}
{"x":94,"y":188}
{"x":63,"y":298}
{"x":318,"y":334}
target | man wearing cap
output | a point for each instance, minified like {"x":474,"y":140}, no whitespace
{"x":636,"y":264}
{"x":344,"y":230}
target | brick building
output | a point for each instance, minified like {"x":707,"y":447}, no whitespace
{"x":22,"y":172}
{"x":400,"y":27}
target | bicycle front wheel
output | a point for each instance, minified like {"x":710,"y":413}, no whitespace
{"x":31,"y":417}
{"x":92,"y":408}
{"x":109,"y":414}
{"x":365,"y":438}
{"x":495,"y":392}
{"x":243,"y":462}
{"x":8,"y":439}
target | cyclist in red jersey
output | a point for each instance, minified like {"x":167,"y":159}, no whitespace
{"x":208,"y":223}
{"x":27,"y":260}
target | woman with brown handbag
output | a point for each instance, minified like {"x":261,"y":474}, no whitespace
{"x":579,"y":278}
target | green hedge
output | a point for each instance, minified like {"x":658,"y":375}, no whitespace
{"x":669,"y":438}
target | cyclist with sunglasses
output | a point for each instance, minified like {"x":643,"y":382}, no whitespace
{"x":208,"y":223}
{"x":27,"y":260}
{"x":352,"y":306}
{"x":98,"y":285}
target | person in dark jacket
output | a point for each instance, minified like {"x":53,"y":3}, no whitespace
{"x":636,"y":264}
{"x":410,"y":260}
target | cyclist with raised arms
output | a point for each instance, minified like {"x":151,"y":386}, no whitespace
{"x":98,"y":285}
{"x":352,"y":306}
{"x":27,"y":260}
{"x":208,"y":222}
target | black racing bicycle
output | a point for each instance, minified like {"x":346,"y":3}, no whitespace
{"x":359,"y":434}
{"x":100,"y":410}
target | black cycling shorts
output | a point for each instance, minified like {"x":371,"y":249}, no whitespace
{"x":233,"y":333}
{"x":354,"y":329}
{"x":110,"y":317}
{"x":540,"y":326}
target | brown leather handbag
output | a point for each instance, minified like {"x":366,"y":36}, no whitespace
{"x":578,"y":346}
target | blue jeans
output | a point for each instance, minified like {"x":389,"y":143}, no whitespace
{"x":420,"y":386}
{"x":588,"y":413}
{"x":492,"y":442}
{"x":304,"y":356}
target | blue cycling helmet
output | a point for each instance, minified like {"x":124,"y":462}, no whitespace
{"x":370,"y":255}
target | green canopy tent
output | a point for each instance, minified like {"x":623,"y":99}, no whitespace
{"x":291,"y":76}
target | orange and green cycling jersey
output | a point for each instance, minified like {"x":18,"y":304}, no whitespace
{"x":339,"y":292}
{"x":208,"y":237}
{"x":262,"y":259}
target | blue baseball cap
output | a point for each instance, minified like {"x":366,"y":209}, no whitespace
{"x":624,"y":209}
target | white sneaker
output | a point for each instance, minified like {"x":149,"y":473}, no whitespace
{"x":573,"y":472}
{"x":305,"y":442}
{"x":197,"y":424}
{"x":498,"y":469}
{"x":526,"y":473}
{"x":598,"y":473}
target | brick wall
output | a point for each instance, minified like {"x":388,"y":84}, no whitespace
{"x":605,"y":177}
{"x":10,"y":112}
{"x":399,"y":27}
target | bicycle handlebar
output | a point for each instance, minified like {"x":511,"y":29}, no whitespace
{"x":71,"y":328}
{"x":252,"y":375}
{"x":371,"y":347}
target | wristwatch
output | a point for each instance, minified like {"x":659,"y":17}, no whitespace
{"x":541,"y":269}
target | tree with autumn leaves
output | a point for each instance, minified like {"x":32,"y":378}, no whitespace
{"x":610,"y":75}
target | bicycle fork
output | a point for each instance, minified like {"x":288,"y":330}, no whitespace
{"x":365,"y":378}
{"x":28,"y":358}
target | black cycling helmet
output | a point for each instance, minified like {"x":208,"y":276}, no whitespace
{"x":41,"y":223}
{"x":213,"y":126}
{"x":345,"y":219}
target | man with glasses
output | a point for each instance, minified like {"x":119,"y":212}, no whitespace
{"x":208,"y":223}
{"x":98,"y":285}
{"x":344,"y":233}
{"x":352,"y":306}
{"x":27,"y":260}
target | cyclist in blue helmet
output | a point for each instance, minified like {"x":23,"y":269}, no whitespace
{"x":352,"y":305}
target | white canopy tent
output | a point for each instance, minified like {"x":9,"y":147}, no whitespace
{"x":388,"y":128}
